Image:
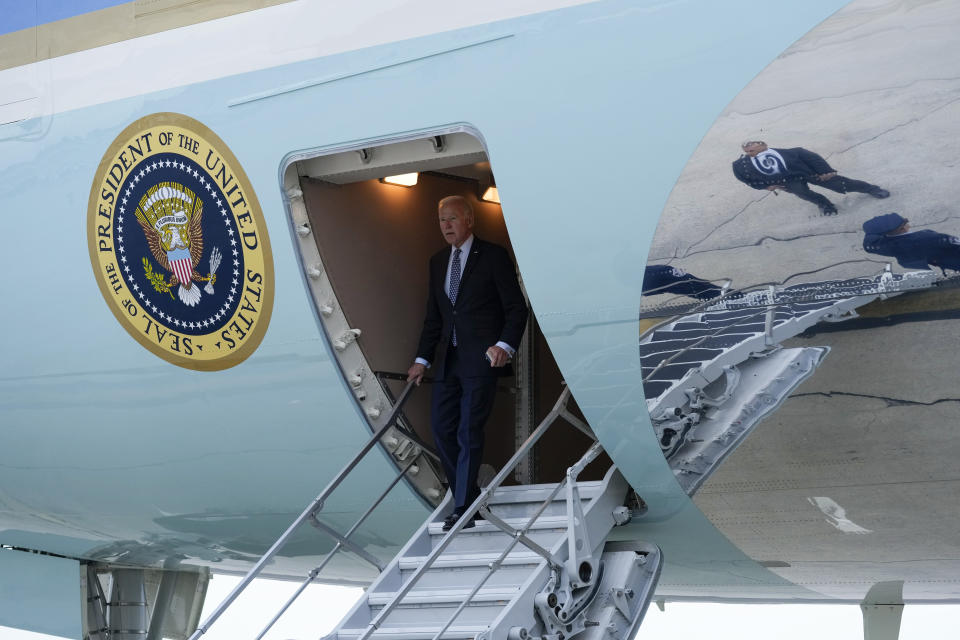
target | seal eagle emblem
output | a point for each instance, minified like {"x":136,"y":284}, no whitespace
{"x":178,"y":244}
{"x":171,"y":217}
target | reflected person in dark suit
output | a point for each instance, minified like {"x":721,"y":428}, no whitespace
{"x":662,"y":278}
{"x":793,"y":170}
{"x":890,"y":235}
{"x":475,"y":317}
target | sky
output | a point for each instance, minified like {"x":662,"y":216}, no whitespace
{"x":17,"y":14}
{"x":322,"y":606}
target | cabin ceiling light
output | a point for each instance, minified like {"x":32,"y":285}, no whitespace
{"x":404,"y":179}
{"x":491,"y":195}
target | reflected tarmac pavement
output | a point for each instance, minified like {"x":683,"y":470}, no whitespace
{"x":874,"y":91}
{"x":851,"y":477}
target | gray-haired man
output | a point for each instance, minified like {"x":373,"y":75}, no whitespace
{"x":792,"y":170}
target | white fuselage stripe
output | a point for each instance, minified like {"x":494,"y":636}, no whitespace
{"x":250,"y":41}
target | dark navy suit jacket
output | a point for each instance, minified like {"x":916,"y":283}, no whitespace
{"x":490,"y":308}
{"x":917,"y":250}
{"x":802,"y":164}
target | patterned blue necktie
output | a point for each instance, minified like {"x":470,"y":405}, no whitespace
{"x":454,"y":286}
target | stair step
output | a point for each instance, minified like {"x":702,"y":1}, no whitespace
{"x":439,"y":595}
{"x":457,"y":632}
{"x":464,"y":560}
{"x":489,"y":540}
{"x":482,"y":526}
{"x":438,"y":614}
{"x":537,"y":493}
{"x":465,"y":570}
{"x":446,"y":596}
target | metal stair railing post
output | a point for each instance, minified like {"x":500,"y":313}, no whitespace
{"x":545,"y":424}
{"x":314,"y":506}
{"x":769,"y":317}
{"x":576,"y":525}
{"x":519,"y":536}
{"x":343,"y":542}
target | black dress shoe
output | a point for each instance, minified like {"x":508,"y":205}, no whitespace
{"x":879,"y":192}
{"x":450,"y":520}
{"x":453,"y":518}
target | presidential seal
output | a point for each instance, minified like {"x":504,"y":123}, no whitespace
{"x":178,"y":244}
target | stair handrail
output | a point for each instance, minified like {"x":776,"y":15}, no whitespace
{"x":767,"y":310}
{"x":312,"y":509}
{"x":703,"y":305}
{"x":559,"y":410}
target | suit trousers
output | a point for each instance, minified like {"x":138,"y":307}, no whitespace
{"x":838,"y":183}
{"x":460,"y":407}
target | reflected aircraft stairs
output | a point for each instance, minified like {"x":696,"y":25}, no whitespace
{"x":713,"y":372}
{"x":536,"y":564}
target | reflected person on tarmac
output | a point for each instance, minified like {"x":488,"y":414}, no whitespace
{"x":891,"y":235}
{"x":662,"y":278}
{"x":475,"y":317}
{"x":793,"y":170}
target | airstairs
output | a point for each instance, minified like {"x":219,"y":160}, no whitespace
{"x":537,"y":564}
{"x":711,"y":373}
{"x":516,"y":574}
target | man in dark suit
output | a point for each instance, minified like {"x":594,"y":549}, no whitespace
{"x":792,"y":170}
{"x":890,"y":235}
{"x":475,"y":318}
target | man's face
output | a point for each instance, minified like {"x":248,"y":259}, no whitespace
{"x":455,"y":225}
{"x":754,"y":148}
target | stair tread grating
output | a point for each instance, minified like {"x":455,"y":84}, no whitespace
{"x":451,"y":595}
{"x":515,"y":558}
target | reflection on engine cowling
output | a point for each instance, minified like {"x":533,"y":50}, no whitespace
{"x":806,"y":266}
